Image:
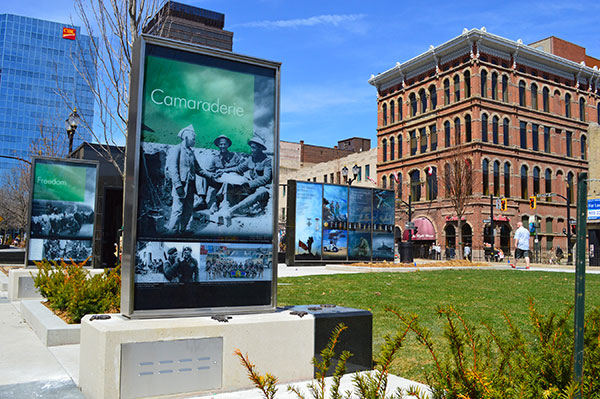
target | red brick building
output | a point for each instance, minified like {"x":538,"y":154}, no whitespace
{"x":520,"y":113}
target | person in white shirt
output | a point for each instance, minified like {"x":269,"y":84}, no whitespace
{"x":521,"y":245}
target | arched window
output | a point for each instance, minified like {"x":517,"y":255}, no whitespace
{"x":457,"y":131}
{"x":412,"y":98}
{"x":535,"y":145}
{"x":548,"y":183}
{"x":496,"y":179}
{"x":523,"y":134}
{"x":423,"y":97}
{"x":384,"y":149}
{"x":423,"y":137}
{"x":484,"y":128}
{"x":583,"y":147}
{"x":469,"y":182}
{"x":392,"y":182}
{"x":484,"y":83}
{"x":536,"y":181}
{"x":570,"y":188}
{"x":446,"y":91}
{"x":384,"y":113}
{"x":569,"y":140}
{"x":568,"y":105}
{"x":495,"y":122}
{"x":494,"y":86}
{"x":506,"y":131}
{"x":433,"y":139}
{"x":546,"y":99}
{"x":392,"y":111}
{"x":399,"y":146}
{"x":467,"y":78}
{"x":522,"y":93}
{"x":413,"y":142}
{"x":432,"y":189}
{"x":524,"y":192}
{"x":383,"y":182}
{"x":433,"y":97}
{"x":468,"y":134}
{"x":505,"y":88}
{"x":392,"y":148}
{"x":415,"y":185}
{"x":485,"y":174}
{"x":506,"y":179}
{"x":400,"y":104}
{"x":546,"y":139}
{"x":534,"y":96}
{"x":582,"y":109}
{"x":446,"y":134}
{"x":456,"y":88}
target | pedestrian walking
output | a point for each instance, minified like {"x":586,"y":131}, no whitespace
{"x":522,"y":237}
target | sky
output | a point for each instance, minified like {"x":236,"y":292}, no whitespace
{"x":329,"y":49}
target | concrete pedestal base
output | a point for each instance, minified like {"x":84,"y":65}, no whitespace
{"x":280,"y":343}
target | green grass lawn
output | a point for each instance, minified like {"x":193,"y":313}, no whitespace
{"x":480,"y":295}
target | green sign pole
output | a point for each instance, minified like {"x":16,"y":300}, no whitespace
{"x":580,"y":280}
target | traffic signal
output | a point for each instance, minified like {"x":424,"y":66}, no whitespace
{"x":503,"y":204}
{"x":532,"y":202}
{"x":574,"y":229}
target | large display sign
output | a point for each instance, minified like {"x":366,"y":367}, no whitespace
{"x":329,"y":222}
{"x":62,"y":208}
{"x":202,"y":167}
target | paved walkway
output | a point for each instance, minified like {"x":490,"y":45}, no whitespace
{"x":28,"y":369}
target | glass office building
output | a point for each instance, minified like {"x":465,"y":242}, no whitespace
{"x":40,"y":84}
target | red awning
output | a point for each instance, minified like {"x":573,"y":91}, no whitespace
{"x":425,"y":230}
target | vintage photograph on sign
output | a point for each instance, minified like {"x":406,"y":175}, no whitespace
{"x":309,"y":203}
{"x":335,"y":244}
{"x":62,"y":210}
{"x":49,"y":249}
{"x":335,"y":206}
{"x":203,"y":153}
{"x":359,"y":245}
{"x":383,"y":246}
{"x":206,"y":162}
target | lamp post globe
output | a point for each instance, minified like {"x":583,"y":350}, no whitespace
{"x":71,"y":125}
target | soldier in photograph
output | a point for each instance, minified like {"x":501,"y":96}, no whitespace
{"x":171,"y":265}
{"x":255,"y":192}
{"x":185,"y":174}
{"x":223,"y":160}
{"x":188,"y":267}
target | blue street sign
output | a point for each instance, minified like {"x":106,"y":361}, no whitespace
{"x":594,"y":209}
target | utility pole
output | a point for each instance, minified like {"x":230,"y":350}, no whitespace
{"x":580,"y":281}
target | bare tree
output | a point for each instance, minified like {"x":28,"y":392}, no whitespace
{"x":458,"y":175}
{"x":112,"y":26}
{"x":14,"y":192}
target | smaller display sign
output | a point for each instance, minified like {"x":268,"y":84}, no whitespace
{"x":594,"y":209}
{"x":69,"y":33}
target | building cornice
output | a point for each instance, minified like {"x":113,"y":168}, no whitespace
{"x":489,"y":43}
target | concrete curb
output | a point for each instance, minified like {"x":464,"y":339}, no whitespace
{"x":49,"y":328}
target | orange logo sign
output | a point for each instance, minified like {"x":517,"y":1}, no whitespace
{"x":69,"y":33}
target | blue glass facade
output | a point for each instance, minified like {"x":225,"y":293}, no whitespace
{"x":36,"y":65}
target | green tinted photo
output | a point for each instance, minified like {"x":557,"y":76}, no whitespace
{"x":213,"y":101}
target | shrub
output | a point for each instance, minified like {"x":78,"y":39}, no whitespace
{"x":73,"y":293}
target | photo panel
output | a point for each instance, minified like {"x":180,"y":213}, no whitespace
{"x":167,"y":262}
{"x":57,"y":250}
{"x":383,"y":209}
{"x":241,"y":262}
{"x":359,"y":246}
{"x":335,"y":244}
{"x":207,"y":148}
{"x":360,"y":209}
{"x":383,"y":246}
{"x":335,"y":206}
{"x":309,"y":203}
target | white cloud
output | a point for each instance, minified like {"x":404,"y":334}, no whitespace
{"x":333,"y":20}
{"x":307,"y":99}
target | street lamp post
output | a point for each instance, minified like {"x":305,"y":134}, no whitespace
{"x":355,"y":170}
{"x":71,"y":125}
